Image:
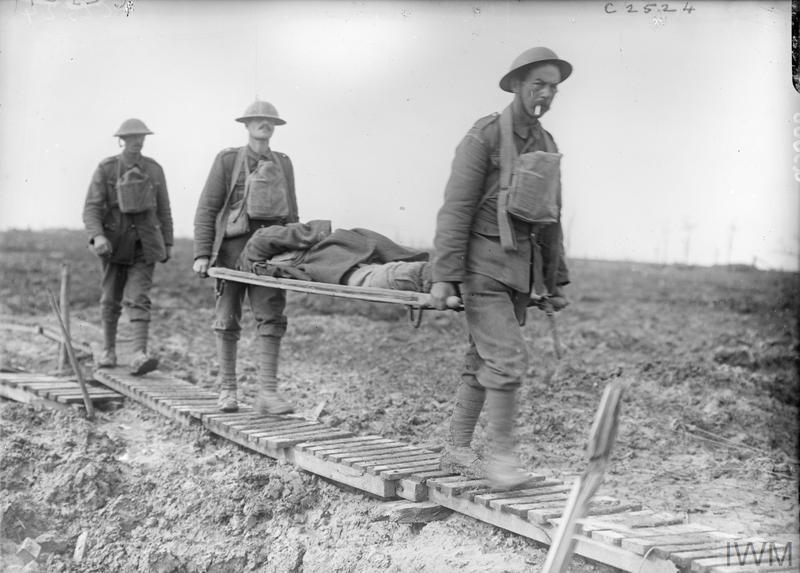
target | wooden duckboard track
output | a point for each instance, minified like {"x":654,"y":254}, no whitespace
{"x":51,"y":391}
{"x":619,"y":534}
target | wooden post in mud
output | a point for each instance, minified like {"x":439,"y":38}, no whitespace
{"x":601,"y":441}
{"x":64,"y":303}
{"x":87,"y":401}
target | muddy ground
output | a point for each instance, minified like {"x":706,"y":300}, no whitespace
{"x":708,"y":428}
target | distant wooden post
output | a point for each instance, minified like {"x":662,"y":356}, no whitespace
{"x":64,"y":304}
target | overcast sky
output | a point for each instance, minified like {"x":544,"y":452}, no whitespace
{"x":677,"y":128}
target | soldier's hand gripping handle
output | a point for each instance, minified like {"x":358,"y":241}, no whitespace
{"x":101,"y":246}
{"x":444,"y":295}
{"x":200,"y":267}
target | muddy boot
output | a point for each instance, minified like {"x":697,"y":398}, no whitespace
{"x":457,"y":456}
{"x":268,"y":401}
{"x":108,"y":358}
{"x":503,"y":469}
{"x":226,"y":354}
{"x":141,"y":363}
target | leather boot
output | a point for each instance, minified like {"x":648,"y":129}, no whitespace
{"x":108,"y":358}
{"x":268,"y":401}
{"x":503,"y":470}
{"x":141,"y":363}
{"x":226,"y":354}
{"x":457,"y":456}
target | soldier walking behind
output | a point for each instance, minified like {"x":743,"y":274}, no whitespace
{"x":248,"y":188}
{"x":128,"y":218}
{"x":498,"y":233}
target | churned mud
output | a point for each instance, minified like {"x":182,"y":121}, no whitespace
{"x":708,"y":428}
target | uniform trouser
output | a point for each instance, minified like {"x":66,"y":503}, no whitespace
{"x":397,"y":275}
{"x":267,"y":305}
{"x":128,"y":286}
{"x":497,"y":357}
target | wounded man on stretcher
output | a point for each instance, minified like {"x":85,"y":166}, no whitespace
{"x":355,"y":257}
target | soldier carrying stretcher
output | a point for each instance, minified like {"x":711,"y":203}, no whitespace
{"x":498,"y":229}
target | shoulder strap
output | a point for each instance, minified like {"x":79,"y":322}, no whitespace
{"x":237,"y":167}
{"x":508,"y":153}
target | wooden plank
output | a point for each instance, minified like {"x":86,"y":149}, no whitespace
{"x":414,"y":486}
{"x":314,"y":446}
{"x":401,"y":472}
{"x":525,"y":503}
{"x":266,"y":422}
{"x":487,"y":498}
{"x":360,"y":455}
{"x":280,"y":431}
{"x":457,"y":488}
{"x":20,"y":395}
{"x":545,"y":514}
{"x":377,"y":466}
{"x":617,"y":534}
{"x":327,"y":433}
{"x":72,"y":399}
{"x":640,"y":545}
{"x":636,"y":519}
{"x":343,"y":474}
{"x":424,"y":477}
{"x":243,"y":441}
{"x":223,"y":417}
{"x":397,"y":455}
{"x":295,"y":436}
{"x":367,"y":450}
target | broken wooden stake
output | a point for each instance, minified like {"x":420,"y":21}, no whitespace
{"x":601,"y":441}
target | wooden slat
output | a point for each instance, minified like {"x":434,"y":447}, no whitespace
{"x":295,"y":436}
{"x":377,"y":466}
{"x":322,"y":446}
{"x":343,"y":474}
{"x":487,"y":498}
{"x":636,"y":519}
{"x":459,"y":487}
{"x":280,"y":431}
{"x":324,"y":434}
{"x":366,"y":450}
{"x":617,"y":534}
{"x":641,"y":545}
{"x":24,"y":397}
{"x":394,"y":474}
{"x":398,"y":453}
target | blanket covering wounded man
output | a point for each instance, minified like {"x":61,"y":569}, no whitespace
{"x":356,"y":257}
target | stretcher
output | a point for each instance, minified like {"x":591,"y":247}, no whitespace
{"x":416,"y":302}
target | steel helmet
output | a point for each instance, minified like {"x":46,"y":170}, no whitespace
{"x":261,"y":109}
{"x":132,"y":126}
{"x":539,"y":55}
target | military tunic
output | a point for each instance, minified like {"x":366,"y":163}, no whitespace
{"x":210,"y":221}
{"x":494,"y":283}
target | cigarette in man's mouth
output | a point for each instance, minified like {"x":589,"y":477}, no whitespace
{"x":537,"y":111}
